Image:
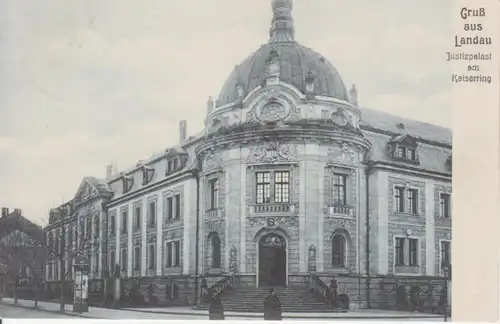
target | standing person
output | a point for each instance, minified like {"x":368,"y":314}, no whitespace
{"x":204,"y":290}
{"x":216,"y":310}
{"x":272,"y":307}
{"x":333,"y":291}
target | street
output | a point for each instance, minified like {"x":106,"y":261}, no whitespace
{"x":19,"y":312}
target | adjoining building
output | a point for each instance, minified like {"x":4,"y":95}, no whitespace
{"x":291,"y":176}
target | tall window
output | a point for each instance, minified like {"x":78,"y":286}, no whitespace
{"x":151,"y":256}
{"x":445,"y":254}
{"x":338,"y":251}
{"x":400,"y":254}
{"x":97,"y":227}
{"x":152,"y":213}
{"x":445,"y":205}
{"x":410,"y":154}
{"x":124,"y":221}
{"x":400,"y":152}
{"x":214,"y":193}
{"x":124,"y":260}
{"x":177,"y":206}
{"x":263,"y":187}
{"x":176,"y":164}
{"x":70,"y":239}
{"x":399,"y":196}
{"x":281,"y":186}
{"x":170,"y":210}
{"x":216,"y":252}
{"x":137,"y":258}
{"x":89,"y":228}
{"x":112,"y":261}
{"x":113,"y":225}
{"x":406,"y":252}
{"x":172,"y":254}
{"x":169,"y":169}
{"x":137,"y":217}
{"x":339,"y":189}
{"x":413,"y":201}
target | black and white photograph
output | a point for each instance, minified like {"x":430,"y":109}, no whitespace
{"x":227,"y":160}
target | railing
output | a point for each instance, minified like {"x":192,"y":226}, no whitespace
{"x":275,"y":208}
{"x":338,"y":210}
{"x":320,"y":288}
{"x":213,"y":213}
{"x":225,"y":283}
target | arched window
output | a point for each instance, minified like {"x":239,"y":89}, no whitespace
{"x":216,"y":253}
{"x":338,"y":251}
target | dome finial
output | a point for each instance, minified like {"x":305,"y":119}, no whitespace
{"x":282,"y":29}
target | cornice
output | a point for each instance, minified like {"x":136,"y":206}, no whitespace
{"x":410,"y":170}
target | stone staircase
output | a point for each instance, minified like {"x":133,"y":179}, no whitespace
{"x":251,"y":299}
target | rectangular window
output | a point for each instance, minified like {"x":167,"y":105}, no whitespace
{"x":281,"y":186}
{"x":400,"y":255}
{"x":168,"y":254}
{"x":410,"y":154}
{"x":113,"y":226}
{"x":177,"y":206}
{"x":137,"y":217}
{"x":124,"y":260}
{"x":445,"y":254}
{"x":169,"y":168}
{"x":399,"y":199}
{"x":176,"y":164}
{"x":170,"y":210}
{"x":445,"y":205}
{"x":152,"y":213}
{"x":413,"y":253}
{"x":112,"y":261}
{"x":177,"y":253}
{"x":413,"y":201}
{"x":263,"y":187}
{"x":137,"y":258}
{"x":400,"y":152}
{"x":89,"y":228}
{"x":97,"y":228}
{"x":70,"y":239}
{"x":151,"y":256}
{"x":124,"y":221}
{"x":214,"y":193}
{"x":339,"y":189}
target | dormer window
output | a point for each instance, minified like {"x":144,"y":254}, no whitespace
{"x":175,"y":161}
{"x":404,"y":147}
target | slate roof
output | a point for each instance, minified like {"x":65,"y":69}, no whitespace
{"x":387,"y":122}
{"x":100,"y":184}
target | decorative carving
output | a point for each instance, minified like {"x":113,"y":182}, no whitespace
{"x":343,"y":154}
{"x":211,"y":162}
{"x":272,"y":152}
{"x":214,"y":225}
{"x":339,"y":117}
{"x":341,"y":224}
{"x":273,"y":222}
{"x":272,"y":67}
{"x":272,"y":112}
{"x":240,"y":90}
{"x":448,"y":236}
{"x":310,"y":84}
{"x":273,"y":240}
{"x":233,"y":259}
{"x":152,"y":239}
{"x":312,"y":259}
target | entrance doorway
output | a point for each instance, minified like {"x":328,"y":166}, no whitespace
{"x":272,"y":260}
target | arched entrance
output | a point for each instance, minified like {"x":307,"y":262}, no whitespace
{"x":272,"y":260}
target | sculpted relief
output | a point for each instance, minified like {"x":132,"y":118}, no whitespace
{"x":211,"y":162}
{"x":343,"y":154}
{"x":273,"y":152}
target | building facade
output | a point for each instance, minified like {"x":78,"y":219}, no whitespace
{"x":290,"y":175}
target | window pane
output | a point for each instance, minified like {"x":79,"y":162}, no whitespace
{"x":263,"y":187}
{"x":413,"y":252}
{"x":177,"y":206}
{"x":281,"y":187}
{"x":177,"y":251}
{"x":338,"y":250}
{"x":339,"y":189}
{"x":400,"y":251}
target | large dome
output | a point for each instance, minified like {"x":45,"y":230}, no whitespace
{"x":296,"y":63}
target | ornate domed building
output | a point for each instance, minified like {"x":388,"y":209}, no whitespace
{"x":290,"y":178}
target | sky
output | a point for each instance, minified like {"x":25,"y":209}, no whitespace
{"x":84,"y":83}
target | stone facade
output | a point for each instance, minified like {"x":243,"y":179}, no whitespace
{"x":317,"y":171}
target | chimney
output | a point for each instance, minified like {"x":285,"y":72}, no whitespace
{"x":109,"y":171}
{"x":182,"y":130}
{"x":353,"y":94}
{"x":5,"y":211}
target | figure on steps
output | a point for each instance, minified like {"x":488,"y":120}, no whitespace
{"x":216,"y":310}
{"x":272,"y":307}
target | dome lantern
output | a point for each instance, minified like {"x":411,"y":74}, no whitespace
{"x":282,"y":29}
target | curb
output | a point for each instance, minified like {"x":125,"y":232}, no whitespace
{"x":39,"y":309}
{"x":258,"y":315}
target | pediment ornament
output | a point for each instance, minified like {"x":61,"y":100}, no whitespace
{"x":273,"y":152}
{"x":211,"y":162}
{"x":342,"y":154}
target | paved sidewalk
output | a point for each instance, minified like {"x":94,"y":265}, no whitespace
{"x":189,"y":313}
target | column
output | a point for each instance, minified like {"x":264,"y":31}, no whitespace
{"x":429,"y":229}
{"x":144,"y":244}
{"x":201,"y":227}
{"x":320,"y":255}
{"x":189,"y":212}
{"x":382,"y":183}
{"x":243,"y":212}
{"x":160,"y":204}
{"x":118,"y":221}
{"x":130,"y":229}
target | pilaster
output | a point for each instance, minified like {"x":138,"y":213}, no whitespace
{"x":321,"y":218}
{"x":430,"y":257}
{"x":242,"y":212}
{"x":144,"y":244}
{"x":382,"y":198}
{"x":189,"y":212}
{"x":159,"y":233}
{"x":302,"y":215}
